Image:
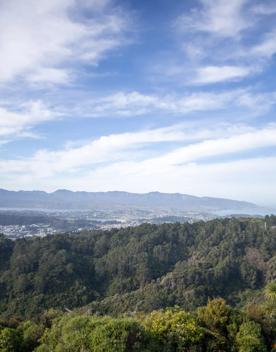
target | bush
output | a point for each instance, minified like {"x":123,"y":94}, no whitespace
{"x":78,"y":333}
{"x":249,"y":338}
{"x":175,"y":329}
{"x":121,"y":335}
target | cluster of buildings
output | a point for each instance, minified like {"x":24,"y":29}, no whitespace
{"x":74,"y":222}
{"x":19,"y":231}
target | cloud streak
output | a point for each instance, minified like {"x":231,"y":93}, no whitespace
{"x":41,"y":40}
{"x":14,"y":123}
{"x":218,"y":17}
{"x":135,"y":103}
{"x":21,"y":122}
{"x":214,"y":74}
{"x":119,"y":147}
{"x":103,"y":163}
{"x":215,"y":36}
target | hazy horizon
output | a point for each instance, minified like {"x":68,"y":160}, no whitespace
{"x":139,"y":96}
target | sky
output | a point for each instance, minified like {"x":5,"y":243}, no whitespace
{"x":139,"y":96}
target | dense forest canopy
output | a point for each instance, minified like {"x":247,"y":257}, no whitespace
{"x":207,"y":286}
{"x":138,"y":268}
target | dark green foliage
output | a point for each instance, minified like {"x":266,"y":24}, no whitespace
{"x":140,"y":268}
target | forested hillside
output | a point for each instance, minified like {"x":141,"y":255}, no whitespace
{"x":138,"y":269}
{"x":215,"y":327}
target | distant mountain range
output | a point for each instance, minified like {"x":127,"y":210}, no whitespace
{"x":153,"y":201}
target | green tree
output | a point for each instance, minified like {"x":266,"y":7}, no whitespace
{"x":31,"y":334}
{"x":249,"y":338}
{"x":121,"y":335}
{"x":270,"y":292}
{"x":215,"y":317}
{"x":79,"y":333}
{"x":10,"y":340}
{"x":175,"y":329}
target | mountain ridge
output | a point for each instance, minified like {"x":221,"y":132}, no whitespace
{"x":67,"y":199}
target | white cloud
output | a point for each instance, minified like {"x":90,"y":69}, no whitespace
{"x":22,"y":120}
{"x":103,"y":163}
{"x":136,"y":103}
{"x":181,"y":171}
{"x":215,"y":39}
{"x":219,"y":17}
{"x":130,"y":104}
{"x":15,"y":123}
{"x":266,"y":48}
{"x":264,"y":9}
{"x":137,"y":146}
{"x":105,"y":149}
{"x":214,"y":74}
{"x":262,"y":138}
{"x":250,"y":179}
{"x":36,"y":37}
{"x":50,"y":75}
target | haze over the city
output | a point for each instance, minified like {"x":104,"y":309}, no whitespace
{"x":139,"y":96}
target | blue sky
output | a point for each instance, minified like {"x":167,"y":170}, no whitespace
{"x":139,"y":95}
